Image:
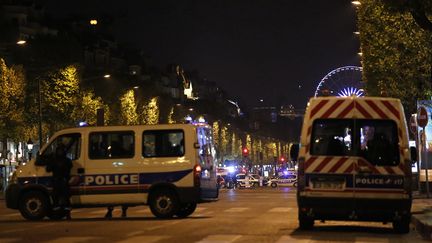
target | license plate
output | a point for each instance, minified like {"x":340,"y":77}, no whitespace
{"x":328,"y":185}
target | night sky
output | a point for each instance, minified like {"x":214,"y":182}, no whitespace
{"x":252,"y":49}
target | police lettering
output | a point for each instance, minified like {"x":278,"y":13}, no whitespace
{"x":370,"y":181}
{"x":111,"y":179}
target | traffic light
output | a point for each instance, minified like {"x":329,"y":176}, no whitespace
{"x":282,"y":159}
{"x":245,"y":152}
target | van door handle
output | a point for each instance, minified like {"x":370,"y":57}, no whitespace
{"x":80,"y":170}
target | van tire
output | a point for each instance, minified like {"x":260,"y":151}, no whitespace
{"x":295,"y":184}
{"x":34,"y":205}
{"x":186,"y":209}
{"x":305,"y":223}
{"x":402,"y":226}
{"x":164,"y":204}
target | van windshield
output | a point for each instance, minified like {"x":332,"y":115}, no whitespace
{"x":207,"y":152}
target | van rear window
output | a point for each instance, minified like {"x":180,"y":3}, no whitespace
{"x":375,"y":140}
{"x":332,"y":137}
{"x":163,"y":143}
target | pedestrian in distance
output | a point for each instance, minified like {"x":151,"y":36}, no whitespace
{"x":60,"y":166}
{"x":108,"y":215}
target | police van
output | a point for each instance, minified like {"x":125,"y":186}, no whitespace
{"x":354,"y":162}
{"x":171,"y":168}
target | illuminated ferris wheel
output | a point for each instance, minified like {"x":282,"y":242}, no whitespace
{"x":344,"y":81}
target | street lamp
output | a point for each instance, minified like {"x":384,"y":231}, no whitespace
{"x":30,"y":148}
{"x":22,"y":43}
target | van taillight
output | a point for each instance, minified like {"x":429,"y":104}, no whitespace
{"x":197,"y":175}
{"x":300,"y":173}
{"x":300,"y":164}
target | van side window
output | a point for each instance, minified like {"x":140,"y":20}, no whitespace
{"x":106,"y":145}
{"x":332,"y":137}
{"x":72,"y":143}
{"x":163,"y":143}
{"x":379,"y":142}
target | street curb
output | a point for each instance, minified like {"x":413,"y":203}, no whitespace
{"x":421,"y":227}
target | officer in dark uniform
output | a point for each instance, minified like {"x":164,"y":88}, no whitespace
{"x":61,"y":166}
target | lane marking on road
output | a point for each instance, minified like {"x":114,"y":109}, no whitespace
{"x":9,"y":240}
{"x":200,"y":209}
{"x":146,"y":239}
{"x":220,"y":238}
{"x":101,"y":212}
{"x":73,"y":239}
{"x":236,"y":210}
{"x":287,"y":238}
{"x":12,"y":215}
{"x":280,"y":210}
{"x":132,"y":234}
{"x":145,"y":210}
{"x":162,"y":225}
{"x":202,"y":214}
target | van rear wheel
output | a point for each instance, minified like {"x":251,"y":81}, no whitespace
{"x":34,"y":205}
{"x":402,"y":226}
{"x":164,"y":204}
{"x":305,"y":222}
{"x":186,"y":209}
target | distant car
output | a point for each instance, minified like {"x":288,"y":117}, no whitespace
{"x":241,"y":180}
{"x":289,"y":179}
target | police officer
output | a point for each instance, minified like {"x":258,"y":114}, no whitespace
{"x":60,"y":166}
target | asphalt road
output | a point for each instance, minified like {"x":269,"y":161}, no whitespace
{"x":242,"y":215}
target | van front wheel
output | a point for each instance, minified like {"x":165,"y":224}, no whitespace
{"x":164,"y":204}
{"x":34,"y":205}
{"x":186,"y":209}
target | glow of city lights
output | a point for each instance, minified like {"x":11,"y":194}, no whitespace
{"x":201,"y":119}
{"x":350,"y":91}
{"x":231,"y":169}
{"x":188,"y":118}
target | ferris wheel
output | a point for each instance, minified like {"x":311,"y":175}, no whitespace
{"x":344,"y":81}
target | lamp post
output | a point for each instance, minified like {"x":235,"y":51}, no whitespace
{"x":30,"y":148}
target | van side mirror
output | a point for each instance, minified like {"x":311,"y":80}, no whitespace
{"x":294,"y":151}
{"x":413,"y":151}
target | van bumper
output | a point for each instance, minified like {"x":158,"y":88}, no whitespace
{"x":380,"y":210}
{"x":12,"y":195}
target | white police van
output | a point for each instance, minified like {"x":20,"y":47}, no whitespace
{"x":171,"y":168}
{"x":354,"y":162}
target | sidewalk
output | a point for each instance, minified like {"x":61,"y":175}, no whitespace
{"x":422,"y":215}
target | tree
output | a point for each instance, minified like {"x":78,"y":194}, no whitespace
{"x":396,"y":53}
{"x":129,"y":114}
{"x":87,"y":107}
{"x":12,"y":86}
{"x":150,"y":112}
{"x":60,"y":90}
